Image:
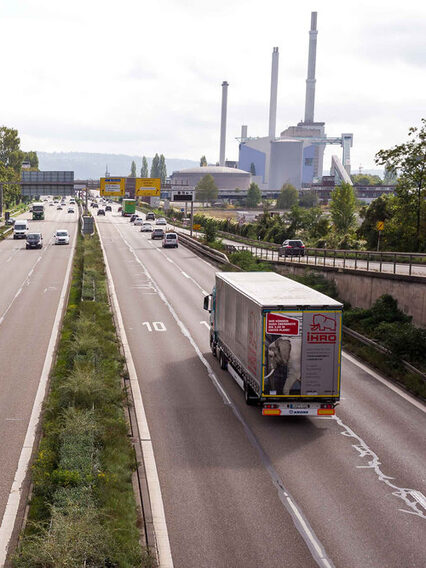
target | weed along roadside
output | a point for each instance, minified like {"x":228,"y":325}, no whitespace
{"x":83,"y":510}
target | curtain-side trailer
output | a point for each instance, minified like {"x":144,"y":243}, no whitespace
{"x":280,"y":341}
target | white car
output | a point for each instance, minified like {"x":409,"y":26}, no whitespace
{"x":146,"y":227}
{"x":170,"y":240}
{"x":61,"y":237}
{"x":138,"y":221}
{"x":161,"y":221}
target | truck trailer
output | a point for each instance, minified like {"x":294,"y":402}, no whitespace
{"x":279,"y":340}
{"x":38,"y":211}
{"x":128,"y":207}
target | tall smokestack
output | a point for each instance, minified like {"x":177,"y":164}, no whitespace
{"x":274,"y":89}
{"x":310,"y":81}
{"x":225,"y":85}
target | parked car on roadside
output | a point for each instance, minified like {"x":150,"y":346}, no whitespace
{"x":292,"y":247}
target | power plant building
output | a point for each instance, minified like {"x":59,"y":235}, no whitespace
{"x":297,"y":155}
{"x":225,"y":178}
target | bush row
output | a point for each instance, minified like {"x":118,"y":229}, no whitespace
{"x":82,"y":511}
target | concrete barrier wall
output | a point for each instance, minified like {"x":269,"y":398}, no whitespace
{"x":362,"y":290}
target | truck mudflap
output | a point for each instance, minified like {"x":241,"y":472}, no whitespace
{"x":298,"y":409}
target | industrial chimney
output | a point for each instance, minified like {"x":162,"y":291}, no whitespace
{"x":274,"y":89}
{"x":225,"y":85}
{"x":310,"y":81}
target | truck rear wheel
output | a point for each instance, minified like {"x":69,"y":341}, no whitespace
{"x":223,"y":361}
{"x":213,"y":346}
{"x":249,"y":395}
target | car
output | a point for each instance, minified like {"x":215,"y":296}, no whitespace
{"x":292,"y":247}
{"x":161,"y":221}
{"x":138,"y":221}
{"x":101,"y":212}
{"x":59,"y":207}
{"x":119,"y":209}
{"x":10,"y":221}
{"x":61,"y":237}
{"x":150,"y":216}
{"x":34,"y":240}
{"x":95,"y":205}
{"x":170,"y":240}
{"x":157,"y":234}
{"x":133,"y":217}
{"x":51,"y":204}
{"x":108,"y":208}
{"x":147,"y":227}
{"x":70,"y":210}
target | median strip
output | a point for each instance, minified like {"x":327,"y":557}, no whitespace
{"x":83,"y":510}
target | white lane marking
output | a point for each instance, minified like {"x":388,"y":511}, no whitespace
{"x":204,"y":292}
{"x":181,"y":326}
{"x":205,"y":323}
{"x":9,"y":259}
{"x":169,"y":259}
{"x":159,"y":518}
{"x":26,"y":282}
{"x":302,"y":525}
{"x":9,"y":516}
{"x":374,"y":463}
{"x":185,"y":274}
{"x":391,"y":386}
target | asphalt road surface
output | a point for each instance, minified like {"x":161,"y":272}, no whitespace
{"x":244,"y":490}
{"x":30,"y":286}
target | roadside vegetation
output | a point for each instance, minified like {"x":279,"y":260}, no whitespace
{"x":82,"y":510}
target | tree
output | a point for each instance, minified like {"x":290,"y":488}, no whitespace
{"x":342,"y":208}
{"x":378,"y":210}
{"x":252,"y":169}
{"x":206,"y":189}
{"x":133,"y":169}
{"x":308,"y":198}
{"x":287,"y":197}
{"x":203,"y":162}
{"x":32,"y":158}
{"x":409,"y":159}
{"x":162,"y":169}
{"x":366,"y":179}
{"x":253,"y":195}
{"x":10,"y":152}
{"x":144,"y":168}
{"x":155,"y":166}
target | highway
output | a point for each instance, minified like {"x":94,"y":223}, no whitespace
{"x":243,"y":490}
{"x":31,"y":284}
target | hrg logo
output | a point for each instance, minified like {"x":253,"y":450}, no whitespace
{"x":323,"y":329}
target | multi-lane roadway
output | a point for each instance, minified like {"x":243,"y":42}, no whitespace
{"x":230,"y":487}
{"x":32,"y":283}
{"x":239,"y":489}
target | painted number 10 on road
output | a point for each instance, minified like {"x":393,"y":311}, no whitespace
{"x":154,"y":326}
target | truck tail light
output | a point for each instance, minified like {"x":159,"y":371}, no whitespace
{"x":326,"y":409}
{"x":271,"y":410}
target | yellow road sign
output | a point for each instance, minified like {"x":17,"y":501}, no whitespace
{"x":148,"y":187}
{"x":196,"y":227}
{"x":380,"y":225}
{"x":112,"y":186}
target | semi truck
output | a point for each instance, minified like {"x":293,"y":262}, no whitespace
{"x":279,"y":340}
{"x":38,"y":211}
{"x":128,"y":207}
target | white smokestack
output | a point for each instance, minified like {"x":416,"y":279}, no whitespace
{"x":243,"y":132}
{"x":274,"y":90}
{"x":310,"y":81}
{"x":225,"y":85}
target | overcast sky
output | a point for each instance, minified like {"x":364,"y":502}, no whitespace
{"x":137,"y":77}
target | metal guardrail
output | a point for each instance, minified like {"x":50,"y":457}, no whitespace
{"x":215,"y":255}
{"x":366,"y":261}
{"x":378,"y":347}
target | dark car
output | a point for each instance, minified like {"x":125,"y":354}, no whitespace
{"x":108,"y":208}
{"x":34,"y":240}
{"x":101,"y":212}
{"x":133,"y":217}
{"x":157,"y":234}
{"x":292,"y":248}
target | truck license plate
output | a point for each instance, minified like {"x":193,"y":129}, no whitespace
{"x":299,"y":405}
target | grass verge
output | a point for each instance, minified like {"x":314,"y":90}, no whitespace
{"x":83,"y":511}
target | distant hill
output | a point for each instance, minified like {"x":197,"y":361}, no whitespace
{"x":91,"y":166}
